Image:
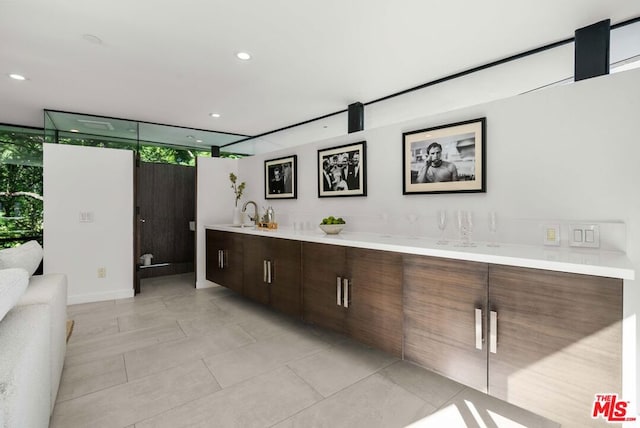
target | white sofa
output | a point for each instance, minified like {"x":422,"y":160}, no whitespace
{"x":32,"y":346}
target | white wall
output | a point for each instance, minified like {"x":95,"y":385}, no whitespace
{"x":564,"y":153}
{"x":98,"y":181}
{"x":215,"y":203}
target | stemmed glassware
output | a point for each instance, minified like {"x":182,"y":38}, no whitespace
{"x":465,"y":227}
{"x":493,"y":227}
{"x":442,"y":225}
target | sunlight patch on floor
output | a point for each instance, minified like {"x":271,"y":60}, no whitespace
{"x":466,"y":416}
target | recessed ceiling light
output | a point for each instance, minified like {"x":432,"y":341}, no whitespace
{"x":74,"y":130}
{"x":243,"y":56}
{"x":15,"y":76}
{"x":214,"y":114}
{"x":131,"y":130}
{"x":198,"y":141}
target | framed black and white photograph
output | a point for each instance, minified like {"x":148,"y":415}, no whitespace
{"x":342,"y":171}
{"x":445,"y":159}
{"x":280,"y":178}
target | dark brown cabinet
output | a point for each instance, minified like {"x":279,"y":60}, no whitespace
{"x":559,"y":341}
{"x":354,"y":291}
{"x":445,"y":305}
{"x":272,"y":273}
{"x":224,"y":254}
{"x":323,"y":274}
{"x":546,"y":341}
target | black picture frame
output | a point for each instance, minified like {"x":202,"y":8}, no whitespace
{"x":459,"y":149}
{"x":281,"y":178}
{"x":342,"y":170}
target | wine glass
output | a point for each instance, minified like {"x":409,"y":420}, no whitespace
{"x":465,"y":227}
{"x":469,"y":220}
{"x":493,"y":227}
{"x":461,"y":216}
{"x":442,"y":224}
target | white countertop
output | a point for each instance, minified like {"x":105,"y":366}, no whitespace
{"x":580,"y":260}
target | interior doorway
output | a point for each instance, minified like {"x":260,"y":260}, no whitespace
{"x":165,"y":211}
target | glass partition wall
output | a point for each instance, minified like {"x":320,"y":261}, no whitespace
{"x":154,"y":142}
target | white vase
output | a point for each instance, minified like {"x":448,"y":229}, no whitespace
{"x":237,"y":216}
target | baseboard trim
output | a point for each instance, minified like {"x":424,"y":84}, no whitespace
{"x":99,"y":297}
{"x":206,"y":284}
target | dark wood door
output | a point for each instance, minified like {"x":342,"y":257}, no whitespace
{"x":559,"y":341}
{"x":440,"y":301}
{"x":224,"y":257}
{"x":374,"y":315}
{"x":284,"y":276}
{"x":322,"y":266}
{"x":255,"y":253}
{"x":166,"y":201}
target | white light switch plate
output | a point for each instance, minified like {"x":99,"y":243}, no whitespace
{"x":584,"y":235}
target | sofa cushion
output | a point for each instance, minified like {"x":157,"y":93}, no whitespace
{"x":51,"y":290}
{"x":24,"y":368}
{"x":26,"y":256}
{"x":13,"y":283}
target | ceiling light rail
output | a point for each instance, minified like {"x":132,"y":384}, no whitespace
{"x":441,"y":80}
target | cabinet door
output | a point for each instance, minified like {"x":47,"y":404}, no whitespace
{"x":374,"y":315}
{"x":322,"y":265}
{"x":224,"y":259}
{"x":440,"y":301}
{"x":285,"y":271}
{"x":256,"y":252}
{"x":559,"y":341}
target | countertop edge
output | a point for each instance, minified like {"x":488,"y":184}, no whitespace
{"x":580,"y":261}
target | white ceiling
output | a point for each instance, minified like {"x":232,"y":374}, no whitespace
{"x":174,"y":62}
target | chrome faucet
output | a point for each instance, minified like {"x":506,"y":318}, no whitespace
{"x":254,"y":219}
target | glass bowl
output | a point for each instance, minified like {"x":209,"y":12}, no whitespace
{"x":331,"y":229}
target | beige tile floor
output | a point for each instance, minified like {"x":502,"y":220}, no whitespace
{"x":176,"y":357}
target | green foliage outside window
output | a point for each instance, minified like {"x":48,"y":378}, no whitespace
{"x":172,"y":155}
{"x":21,"y":197}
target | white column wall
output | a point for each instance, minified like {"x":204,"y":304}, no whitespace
{"x":215,"y":203}
{"x":97,"y":181}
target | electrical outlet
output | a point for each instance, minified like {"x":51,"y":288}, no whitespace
{"x":86,"y":216}
{"x":102,"y":272}
{"x":584,"y":235}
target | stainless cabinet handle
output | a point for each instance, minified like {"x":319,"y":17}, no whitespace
{"x":493,"y":332}
{"x":264,"y":271}
{"x":220,"y":259}
{"x":478,"y":328}
{"x":339,"y":291}
{"x":269,"y":273}
{"x":225,"y":258}
{"x":345,"y":295}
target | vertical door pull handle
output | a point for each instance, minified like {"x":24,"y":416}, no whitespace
{"x":269,"y":272}
{"x":339,"y":291}
{"x":478,"y":328}
{"x":493,"y":332}
{"x":264,"y":271}
{"x":225,"y":257}
{"x":220,"y":259}
{"x":346,"y":296}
